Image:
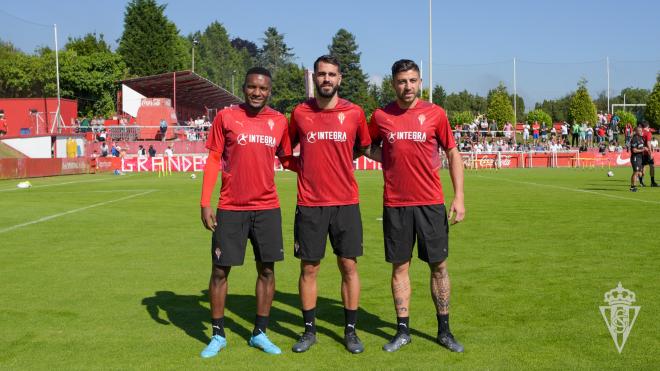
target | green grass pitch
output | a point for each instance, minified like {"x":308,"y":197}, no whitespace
{"x":111,"y":272}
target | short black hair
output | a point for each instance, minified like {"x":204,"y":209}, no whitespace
{"x":403,"y":65}
{"x":258,"y":71}
{"x":330,"y":59}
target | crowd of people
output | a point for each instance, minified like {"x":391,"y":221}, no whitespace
{"x":605,"y":136}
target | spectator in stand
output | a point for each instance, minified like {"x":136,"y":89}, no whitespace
{"x":169,"y":152}
{"x":141,"y":151}
{"x":3,"y":125}
{"x":628,"y":134}
{"x":525,"y":133}
{"x":544,"y":132}
{"x":564,"y":132}
{"x":152,"y":151}
{"x":484,"y":128}
{"x":508,"y":130}
{"x":163,"y":129}
{"x":104,"y":149}
{"x":102,"y":136}
{"x":583,"y":134}
{"x":493,"y":128}
{"x":654,"y":144}
{"x":535,"y":132}
{"x":590,"y":136}
{"x":553,"y":132}
{"x":457,"y":132}
{"x":115,"y":150}
{"x":601,"y":134}
{"x":575,"y":134}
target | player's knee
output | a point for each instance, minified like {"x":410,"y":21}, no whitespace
{"x":267,"y":273}
{"x":219,"y":275}
{"x":439,"y":269}
{"x":348,"y":267}
{"x":309,"y":271}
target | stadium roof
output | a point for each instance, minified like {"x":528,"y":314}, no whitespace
{"x":192,"y":90}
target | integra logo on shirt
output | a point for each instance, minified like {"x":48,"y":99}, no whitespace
{"x":415,"y":136}
{"x":337,"y":136}
{"x":244,"y":139}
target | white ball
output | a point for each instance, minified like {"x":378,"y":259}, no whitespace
{"x":610,"y":173}
{"x":193,"y":176}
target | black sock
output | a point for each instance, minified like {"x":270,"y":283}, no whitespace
{"x":218,"y":326}
{"x":260,"y":325}
{"x":309,"y":316}
{"x":443,"y":323}
{"x":350,"y":318}
{"x":641,"y":180}
{"x":402,"y":325}
{"x":652,"y":179}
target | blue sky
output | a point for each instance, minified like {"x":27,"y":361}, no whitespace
{"x":474,"y":42}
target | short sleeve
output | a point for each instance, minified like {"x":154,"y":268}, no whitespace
{"x":443,"y":132}
{"x":284,"y":149}
{"x":374,"y":132}
{"x":216,"y":140}
{"x":363,"y":130}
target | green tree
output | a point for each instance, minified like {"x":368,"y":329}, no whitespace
{"x":274,"y":53}
{"x":217,"y":60}
{"x":540,"y":116}
{"x":150,"y":43}
{"x":556,"y":108}
{"x":626,"y":117}
{"x":288,"y":88}
{"x":653,"y":104}
{"x":382,"y":94}
{"x":465,"y":101}
{"x":439,"y":95}
{"x":581,"y":108}
{"x":499,"y":106}
{"x":88,"y":44}
{"x":464,"y":117}
{"x":354,"y":86}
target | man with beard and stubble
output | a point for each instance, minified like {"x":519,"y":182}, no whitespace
{"x":243,"y":142}
{"x":412,"y":133}
{"x":328,"y":129}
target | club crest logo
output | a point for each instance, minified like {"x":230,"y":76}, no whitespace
{"x":311,"y":137}
{"x":421,"y":119}
{"x":619,"y":315}
{"x":271,"y":124}
{"x":391,"y":137}
{"x":217,"y":253}
{"x":341,"y":117}
{"x":296,"y":245}
{"x":242,"y":139}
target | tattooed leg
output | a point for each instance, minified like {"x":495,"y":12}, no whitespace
{"x":440,"y":288}
{"x":401,"y":288}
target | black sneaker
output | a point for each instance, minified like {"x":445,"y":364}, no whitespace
{"x":307,"y":339}
{"x":446,"y":339}
{"x":654,"y":184}
{"x":642,"y":184}
{"x":397,"y":342}
{"x":633,"y":189}
{"x":353,"y":343}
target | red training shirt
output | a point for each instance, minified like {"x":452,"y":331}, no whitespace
{"x":327,"y":138}
{"x":248,"y":145}
{"x":411,"y":141}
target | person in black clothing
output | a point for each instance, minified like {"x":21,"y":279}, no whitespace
{"x":152,"y":151}
{"x":636,"y":156}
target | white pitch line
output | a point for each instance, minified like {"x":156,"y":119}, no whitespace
{"x":46,"y":218}
{"x":572,"y":189}
{"x":57,"y":184}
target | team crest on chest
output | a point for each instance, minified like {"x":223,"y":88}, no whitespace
{"x":341,"y":117}
{"x":421,"y":119}
{"x":271,"y":124}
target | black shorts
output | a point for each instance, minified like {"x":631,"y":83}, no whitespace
{"x":637,"y":162}
{"x":647,"y":159}
{"x":262,"y":227}
{"x":427,"y":224}
{"x":313,"y":224}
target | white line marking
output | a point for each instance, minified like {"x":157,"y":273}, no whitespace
{"x":59,"y":184}
{"x":46,"y":218}
{"x":572,"y":189}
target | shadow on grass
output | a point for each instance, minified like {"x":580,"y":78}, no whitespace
{"x":190,"y":313}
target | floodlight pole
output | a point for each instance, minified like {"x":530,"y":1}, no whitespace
{"x":57,"y":75}
{"x":430,"y":53}
{"x":607,"y":60}
{"x":515,"y":94}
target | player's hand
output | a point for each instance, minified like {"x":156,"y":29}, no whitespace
{"x":457,"y":210}
{"x":208,"y":218}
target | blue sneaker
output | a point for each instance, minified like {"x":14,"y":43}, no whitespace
{"x":217,"y":343}
{"x":262,"y":342}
